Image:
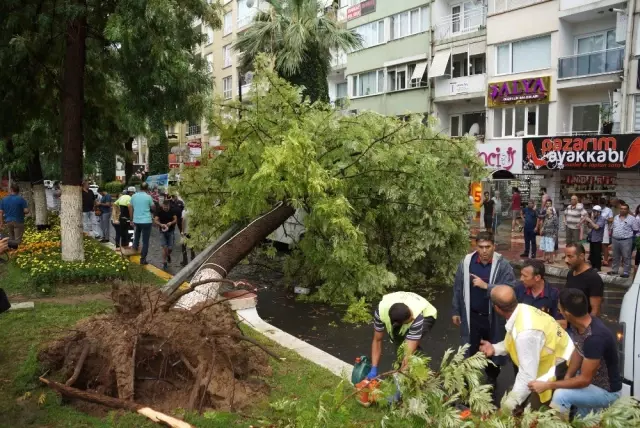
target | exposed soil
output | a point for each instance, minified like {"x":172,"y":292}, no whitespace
{"x":165,"y":359}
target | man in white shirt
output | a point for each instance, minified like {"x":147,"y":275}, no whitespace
{"x":535,"y":342}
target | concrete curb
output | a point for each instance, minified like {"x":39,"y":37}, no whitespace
{"x":251,"y":318}
{"x":562,"y":273}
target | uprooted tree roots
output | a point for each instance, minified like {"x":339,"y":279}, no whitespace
{"x":166,"y":359}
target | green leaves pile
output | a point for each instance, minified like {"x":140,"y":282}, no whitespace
{"x":385,"y":198}
{"x":430,"y":399}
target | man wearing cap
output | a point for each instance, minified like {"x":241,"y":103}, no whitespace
{"x":123,"y":216}
{"x":597,"y":223}
{"x":406,"y":317}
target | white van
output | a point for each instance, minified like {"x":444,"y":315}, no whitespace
{"x":628,"y":336}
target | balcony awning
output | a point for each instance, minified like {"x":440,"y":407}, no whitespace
{"x":439,"y":63}
{"x":421,"y":67}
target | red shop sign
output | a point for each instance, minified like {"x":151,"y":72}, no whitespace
{"x":600,"y":152}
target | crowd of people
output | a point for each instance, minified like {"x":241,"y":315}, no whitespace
{"x":132,"y":215}
{"x":610,"y":229}
{"x":563,"y":354}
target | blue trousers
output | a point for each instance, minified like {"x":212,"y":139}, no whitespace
{"x":530,"y":247}
{"x":145,"y":230}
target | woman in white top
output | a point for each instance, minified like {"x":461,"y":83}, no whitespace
{"x":607,"y":213}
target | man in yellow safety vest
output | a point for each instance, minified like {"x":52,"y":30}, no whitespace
{"x":535,"y":342}
{"x":406,"y":317}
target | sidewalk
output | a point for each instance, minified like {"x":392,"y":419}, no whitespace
{"x":511,"y":245}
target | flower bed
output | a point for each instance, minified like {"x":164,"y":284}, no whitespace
{"x":40,"y":258}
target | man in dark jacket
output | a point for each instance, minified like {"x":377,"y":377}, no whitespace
{"x":472,"y":311}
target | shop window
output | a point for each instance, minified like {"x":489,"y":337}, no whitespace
{"x":588,"y":188}
{"x":521,"y":121}
{"x":524,"y":55}
{"x":585,"y":119}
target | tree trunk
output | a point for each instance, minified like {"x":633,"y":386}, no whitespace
{"x":26,"y":192}
{"x":128,"y":159}
{"x":158,"y":147}
{"x":232,"y":252}
{"x":39,"y":192}
{"x":313,"y":76}
{"x":73,"y":140}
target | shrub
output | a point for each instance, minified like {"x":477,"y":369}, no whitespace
{"x":113,"y":187}
{"x":40,"y":257}
{"x":135,"y":181}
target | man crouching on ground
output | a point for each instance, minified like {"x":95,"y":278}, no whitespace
{"x":406,"y":317}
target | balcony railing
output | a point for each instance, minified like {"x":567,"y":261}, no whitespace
{"x":338,"y":59}
{"x":465,"y":22}
{"x":589,"y":64}
{"x":497,"y":6}
{"x":460,"y":85}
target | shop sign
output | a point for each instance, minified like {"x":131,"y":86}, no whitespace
{"x":476,"y":194}
{"x":174,"y":165}
{"x":581,"y":180}
{"x":361,"y":9}
{"x":602,"y":152}
{"x":195,"y":148}
{"x":521,"y":91}
{"x":501,"y":155}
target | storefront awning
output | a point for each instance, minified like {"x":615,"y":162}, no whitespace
{"x":421,"y":67}
{"x":439,"y":63}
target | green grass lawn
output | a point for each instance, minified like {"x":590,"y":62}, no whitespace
{"x":17,"y":285}
{"x":24,"y":403}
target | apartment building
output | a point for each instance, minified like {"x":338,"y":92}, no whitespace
{"x":388,"y":74}
{"x":558,"y":87}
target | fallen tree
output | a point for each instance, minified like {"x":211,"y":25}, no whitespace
{"x":385,"y":198}
{"x":148,"y":354}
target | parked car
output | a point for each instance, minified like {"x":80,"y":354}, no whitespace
{"x":94,"y":189}
{"x":48,"y":184}
{"x":628,"y":335}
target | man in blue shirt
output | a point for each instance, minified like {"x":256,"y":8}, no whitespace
{"x":534,"y":290}
{"x":530,"y":217}
{"x":140,"y":205}
{"x":13,"y":208}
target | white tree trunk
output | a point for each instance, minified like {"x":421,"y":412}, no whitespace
{"x":202,"y":293}
{"x":71,"y":223}
{"x":40,"y":201}
{"x":27,"y":193}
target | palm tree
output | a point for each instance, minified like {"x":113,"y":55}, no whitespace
{"x":300,"y":35}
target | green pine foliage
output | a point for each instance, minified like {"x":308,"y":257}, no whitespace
{"x":429,"y":399}
{"x":386,"y":199}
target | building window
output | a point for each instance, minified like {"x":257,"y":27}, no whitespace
{"x":585,"y":118}
{"x":209,"y":35}
{"x":372,"y":34}
{"x":464,"y":65}
{"x":194,"y":128}
{"x":245,"y":13}
{"x":370,"y":83}
{"x":228,"y":24}
{"x":227,"y":87}
{"x":468,"y":124}
{"x":524,"y":55}
{"x":410,"y":22}
{"x":402,"y":77}
{"x":209,"y":59}
{"x":521,"y":121}
{"x":636,"y":116}
{"x":226,"y":54}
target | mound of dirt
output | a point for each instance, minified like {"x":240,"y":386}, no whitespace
{"x":166,"y":359}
